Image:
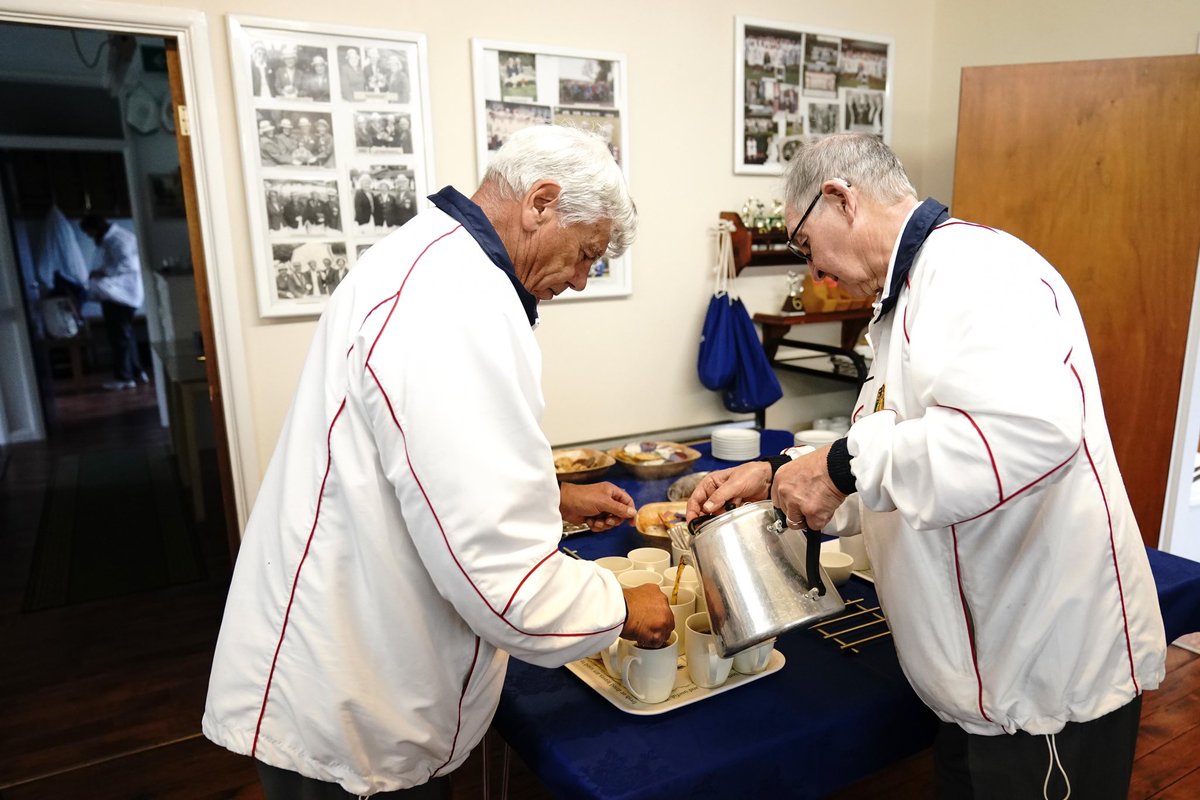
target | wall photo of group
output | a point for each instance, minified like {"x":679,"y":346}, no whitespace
{"x":334,"y":128}
{"x":798,"y":82}
{"x":519,"y":85}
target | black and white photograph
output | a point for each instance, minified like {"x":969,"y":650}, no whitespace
{"x":308,"y":270}
{"x":302,"y":208}
{"x":604,"y":122}
{"x":519,"y":84}
{"x":384,"y":198}
{"x":295,"y":138}
{"x":289,"y":71}
{"x":359,"y":249}
{"x":585,"y":81}
{"x":374,"y":73}
{"x":505,"y":119}
{"x":821,"y":57}
{"x":864,"y":112}
{"x":383,"y":132}
{"x":345,"y":164}
{"x":822,"y":119}
{"x":863,"y":65}
{"x":518,"y":76}
{"x":793,"y":82}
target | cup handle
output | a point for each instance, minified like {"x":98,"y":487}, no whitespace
{"x":629,"y":662}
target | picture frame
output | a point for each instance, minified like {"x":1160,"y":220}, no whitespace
{"x":519,"y":84}
{"x":795,"y":82}
{"x":337,"y":149}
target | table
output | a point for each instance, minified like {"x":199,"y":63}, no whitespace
{"x":824,"y":721}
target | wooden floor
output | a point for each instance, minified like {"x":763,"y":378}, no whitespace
{"x":103,"y":700}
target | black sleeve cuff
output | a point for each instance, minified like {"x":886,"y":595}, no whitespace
{"x":776,"y":462}
{"x":838,"y":465}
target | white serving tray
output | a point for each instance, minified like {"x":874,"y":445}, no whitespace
{"x":685,"y":692}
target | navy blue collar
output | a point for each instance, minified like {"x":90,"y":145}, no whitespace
{"x":454,"y":203}
{"x":924,"y":219}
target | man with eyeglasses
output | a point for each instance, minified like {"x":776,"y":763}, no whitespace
{"x":980,"y":469}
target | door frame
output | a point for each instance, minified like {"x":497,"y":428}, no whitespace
{"x":191,"y":30}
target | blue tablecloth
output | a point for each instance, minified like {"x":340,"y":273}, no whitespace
{"x":822,"y":722}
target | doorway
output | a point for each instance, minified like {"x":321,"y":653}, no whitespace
{"x":115,"y":556}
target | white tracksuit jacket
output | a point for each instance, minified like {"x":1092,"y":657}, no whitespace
{"x":1006,"y":554}
{"x":406,"y":532}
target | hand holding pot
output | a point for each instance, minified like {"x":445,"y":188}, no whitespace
{"x":648,"y":617}
{"x":742,"y":484}
{"x":805,"y":492}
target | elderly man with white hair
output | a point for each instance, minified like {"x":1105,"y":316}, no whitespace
{"x":405,"y":539}
{"x":980,"y":469}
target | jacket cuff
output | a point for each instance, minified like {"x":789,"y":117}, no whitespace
{"x":837,"y":463}
{"x":776,"y":462}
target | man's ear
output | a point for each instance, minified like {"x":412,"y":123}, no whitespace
{"x":538,"y":206}
{"x":838,"y":194}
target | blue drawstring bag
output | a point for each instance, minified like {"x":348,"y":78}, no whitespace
{"x":731,"y":358}
{"x":718,"y":348}
{"x":754,"y":385}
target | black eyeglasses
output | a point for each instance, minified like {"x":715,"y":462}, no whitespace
{"x":794,"y":248}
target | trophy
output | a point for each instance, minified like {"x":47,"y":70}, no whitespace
{"x":792,"y":303}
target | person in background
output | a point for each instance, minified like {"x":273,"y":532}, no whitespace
{"x":354,"y":83}
{"x":405,"y":539}
{"x":117,"y":283}
{"x":980,"y":469}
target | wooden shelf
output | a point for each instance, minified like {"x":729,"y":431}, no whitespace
{"x":754,"y":249}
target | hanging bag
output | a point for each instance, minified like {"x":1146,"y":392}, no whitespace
{"x":717,"y":361}
{"x":754,"y":385}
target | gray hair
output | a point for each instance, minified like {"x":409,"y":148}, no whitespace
{"x":861,"y":159}
{"x":593,"y":187}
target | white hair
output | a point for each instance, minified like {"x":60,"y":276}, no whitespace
{"x":860,"y":159}
{"x":593,"y":187}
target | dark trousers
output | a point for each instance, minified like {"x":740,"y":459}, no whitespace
{"x":283,"y":784}
{"x":1096,"y":758}
{"x":118,"y":320}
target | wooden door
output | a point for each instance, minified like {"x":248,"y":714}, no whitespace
{"x":203,"y":302}
{"x":1094,"y":164}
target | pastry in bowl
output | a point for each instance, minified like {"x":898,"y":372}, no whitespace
{"x":653,"y":459}
{"x":581,"y":464}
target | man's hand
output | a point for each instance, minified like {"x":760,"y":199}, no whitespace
{"x":805,"y":492}
{"x":600,"y":506}
{"x":747,"y":483}
{"x":648,"y":617}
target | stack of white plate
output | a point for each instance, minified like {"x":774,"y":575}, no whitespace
{"x":735,"y":444}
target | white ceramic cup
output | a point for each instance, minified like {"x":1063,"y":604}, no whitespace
{"x":651,"y":558}
{"x":615,"y":564}
{"x":637,"y":577}
{"x":649,"y":675}
{"x":837,"y":565}
{"x":856,"y":547}
{"x":613,"y":655}
{"x":706,"y":668}
{"x":755,"y":659}
{"x":678,"y":553}
{"x":683,"y":607}
{"x":815,"y":438}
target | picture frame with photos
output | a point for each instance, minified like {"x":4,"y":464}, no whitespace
{"x":518,"y":85}
{"x":336,"y":142}
{"x":795,"y":82}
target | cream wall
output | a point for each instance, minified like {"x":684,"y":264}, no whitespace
{"x":612,"y":367}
